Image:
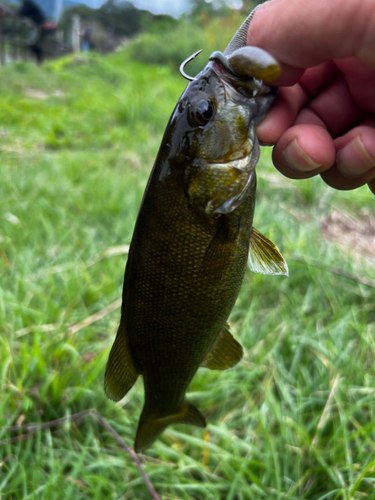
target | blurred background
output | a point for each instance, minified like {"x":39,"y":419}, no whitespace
{"x":72,"y":25}
{"x":86,"y":91}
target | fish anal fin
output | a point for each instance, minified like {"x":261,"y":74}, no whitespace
{"x":264,"y":256}
{"x":190,"y":415}
{"x":150,"y":427}
{"x":120,"y":373}
{"x":225,"y":353}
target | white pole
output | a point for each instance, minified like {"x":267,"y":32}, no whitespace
{"x":76,"y":28}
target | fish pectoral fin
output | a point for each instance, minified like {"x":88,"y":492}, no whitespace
{"x":150,"y":428}
{"x":225,"y":353}
{"x":264,"y":256}
{"x":120,"y":373}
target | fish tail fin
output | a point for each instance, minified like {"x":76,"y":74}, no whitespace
{"x":120,"y":372}
{"x":150,"y":428}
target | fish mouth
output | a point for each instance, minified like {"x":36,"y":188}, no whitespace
{"x":245,"y":85}
{"x":241,"y":88}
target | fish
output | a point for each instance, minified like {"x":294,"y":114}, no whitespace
{"x":192,"y":240}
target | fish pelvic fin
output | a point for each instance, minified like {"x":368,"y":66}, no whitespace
{"x":264,"y":256}
{"x":150,"y":428}
{"x":120,"y":373}
{"x":225,"y":353}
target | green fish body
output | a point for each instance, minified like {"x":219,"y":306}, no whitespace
{"x":190,"y":246}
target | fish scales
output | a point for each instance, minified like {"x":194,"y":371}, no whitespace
{"x":191,"y":242}
{"x":177,"y":269}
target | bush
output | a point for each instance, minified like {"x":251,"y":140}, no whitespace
{"x":174,"y":45}
{"x":171,"y":47}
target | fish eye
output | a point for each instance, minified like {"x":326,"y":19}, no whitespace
{"x":204,"y":112}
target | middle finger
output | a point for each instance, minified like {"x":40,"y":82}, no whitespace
{"x":335,"y":106}
{"x":290,"y":100}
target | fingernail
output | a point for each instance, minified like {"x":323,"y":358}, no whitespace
{"x":296,"y":158}
{"x":354,"y":159}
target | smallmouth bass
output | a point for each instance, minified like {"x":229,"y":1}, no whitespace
{"x":191,"y":241}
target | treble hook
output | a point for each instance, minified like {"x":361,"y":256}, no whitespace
{"x":186,"y":62}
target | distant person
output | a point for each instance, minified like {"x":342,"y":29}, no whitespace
{"x":86,"y":39}
{"x":44,"y":27}
{"x":33,"y":12}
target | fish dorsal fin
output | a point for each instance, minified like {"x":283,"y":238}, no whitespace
{"x":225,"y":353}
{"x":120,"y":373}
{"x":264,"y":256}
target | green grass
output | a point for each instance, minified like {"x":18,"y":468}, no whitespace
{"x":73,"y":168}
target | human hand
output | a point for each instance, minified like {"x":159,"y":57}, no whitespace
{"x":323,"y":119}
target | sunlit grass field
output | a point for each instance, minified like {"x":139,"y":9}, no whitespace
{"x":295,"y":419}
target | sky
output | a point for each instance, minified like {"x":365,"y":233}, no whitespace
{"x":171,"y":7}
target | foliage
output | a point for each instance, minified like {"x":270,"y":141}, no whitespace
{"x":201,"y":7}
{"x":120,"y":19}
{"x":176,"y":44}
{"x":170,"y":47}
{"x":295,"y":419}
{"x":14,"y":27}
